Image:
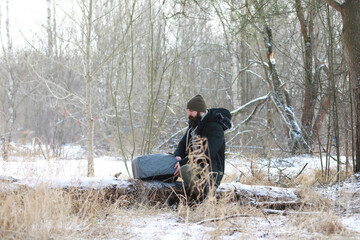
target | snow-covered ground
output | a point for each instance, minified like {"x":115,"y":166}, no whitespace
{"x":72,"y":167}
{"x":72,"y":164}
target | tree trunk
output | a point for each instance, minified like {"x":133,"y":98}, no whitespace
{"x":244,"y":81}
{"x":282,"y":101}
{"x":49,"y":31}
{"x":234,"y":73}
{"x":311,"y":86}
{"x":324,"y":107}
{"x":351,"y":41}
{"x":88,"y":80}
{"x":11,"y":89}
{"x":357,"y":131}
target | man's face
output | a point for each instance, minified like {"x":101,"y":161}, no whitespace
{"x":194,"y":117}
{"x":192,"y":113}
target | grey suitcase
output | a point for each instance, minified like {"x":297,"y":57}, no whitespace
{"x":154,"y":167}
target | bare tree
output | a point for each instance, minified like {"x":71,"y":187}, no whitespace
{"x":49,"y":28}
{"x":88,"y":77}
{"x":311,"y":82}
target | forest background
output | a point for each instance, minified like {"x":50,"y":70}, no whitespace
{"x":115,"y":76}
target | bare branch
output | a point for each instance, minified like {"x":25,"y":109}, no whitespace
{"x":301,"y":17}
{"x":183,"y":9}
{"x":257,"y":100}
{"x":171,"y":137}
{"x":334,"y":4}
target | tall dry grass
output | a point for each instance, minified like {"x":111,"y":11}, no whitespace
{"x":314,"y":221}
{"x":314,"y":217}
{"x":44,"y":213}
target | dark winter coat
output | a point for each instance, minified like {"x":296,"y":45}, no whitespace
{"x":212,"y":127}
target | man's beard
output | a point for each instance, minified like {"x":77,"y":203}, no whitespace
{"x":194,"y":121}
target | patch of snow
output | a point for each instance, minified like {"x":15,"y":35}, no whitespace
{"x":289,"y":166}
{"x":71,"y":151}
{"x":87,"y":182}
{"x":168,"y":227}
{"x":54,"y":168}
{"x":260,"y":191}
{"x":351,"y":222}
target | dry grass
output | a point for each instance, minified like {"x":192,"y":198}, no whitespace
{"x":312,"y":200}
{"x":44,"y":213}
{"x":257,"y":177}
{"x":228,"y":218}
{"x":215,"y":213}
{"x":256,"y":174}
{"x":317,"y":216}
{"x":325,"y":223}
{"x":314,"y":217}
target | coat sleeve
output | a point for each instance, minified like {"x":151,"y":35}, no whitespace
{"x":181,"y":148}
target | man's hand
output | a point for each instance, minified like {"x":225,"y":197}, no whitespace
{"x":177,"y":167}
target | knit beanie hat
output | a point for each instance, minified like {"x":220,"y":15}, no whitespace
{"x":197,"y":103}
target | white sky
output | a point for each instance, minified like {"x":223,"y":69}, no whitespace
{"x":26,"y":19}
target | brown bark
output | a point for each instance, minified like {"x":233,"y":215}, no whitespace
{"x":351,"y":42}
{"x":357,"y":132}
{"x":324,"y":107}
{"x":310,"y":93}
{"x":334,"y":4}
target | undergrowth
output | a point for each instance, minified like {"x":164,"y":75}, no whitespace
{"x":44,"y":213}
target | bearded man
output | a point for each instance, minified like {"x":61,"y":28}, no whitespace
{"x":208,"y":126}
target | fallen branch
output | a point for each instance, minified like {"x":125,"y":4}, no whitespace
{"x":273,"y":211}
{"x":301,"y":170}
{"x":222,"y":219}
{"x":278,"y":205}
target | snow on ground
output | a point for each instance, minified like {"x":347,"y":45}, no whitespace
{"x":71,"y":167}
{"x":86,"y":182}
{"x":290,"y":166}
{"x":72,"y":164}
{"x":167,"y":227}
{"x":351,"y":222}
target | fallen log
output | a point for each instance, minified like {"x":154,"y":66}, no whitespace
{"x":258,"y":193}
{"x":278,"y":205}
{"x":157,"y":191}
